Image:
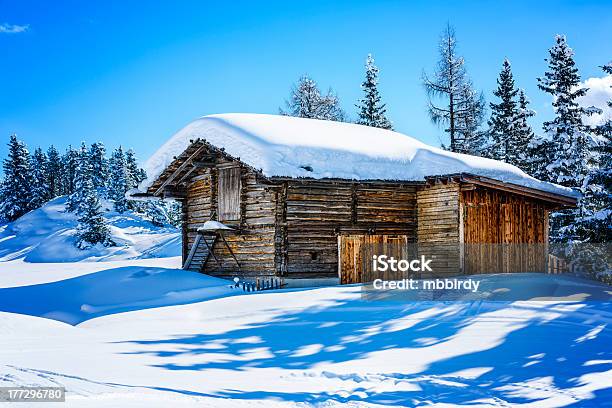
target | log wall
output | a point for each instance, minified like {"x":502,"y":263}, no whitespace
{"x":253,"y":240}
{"x":312,"y":214}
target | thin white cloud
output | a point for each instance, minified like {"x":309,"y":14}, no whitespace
{"x":599,"y":93}
{"x":13,"y":28}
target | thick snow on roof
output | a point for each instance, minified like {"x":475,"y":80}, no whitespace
{"x":298,"y":147}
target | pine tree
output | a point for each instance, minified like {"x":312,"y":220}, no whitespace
{"x":16,"y":193}
{"x":306,"y":101}
{"x":370,"y":109}
{"x":174,"y":214}
{"x":53,"y":172}
{"x":450,"y":82}
{"x":596,"y":223}
{"x":567,"y":160}
{"x":524,"y":138}
{"x":99,"y":165}
{"x":69,"y":167}
{"x":469,"y":117}
{"x":82,"y":176}
{"x":504,"y":116}
{"x":135,"y":175}
{"x":118,"y":184}
{"x":40,"y":187}
{"x":568,"y":156}
{"x":92,"y":228}
{"x":155,"y":211}
{"x":163,"y":212}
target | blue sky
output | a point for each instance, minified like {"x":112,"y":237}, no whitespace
{"x":133,"y":73}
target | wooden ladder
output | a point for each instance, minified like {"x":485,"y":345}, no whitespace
{"x":200,"y":251}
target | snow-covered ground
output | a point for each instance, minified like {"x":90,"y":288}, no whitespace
{"x":220,"y":347}
{"x":120,"y":328}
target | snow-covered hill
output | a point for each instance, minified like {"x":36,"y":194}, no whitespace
{"x":47,"y":234}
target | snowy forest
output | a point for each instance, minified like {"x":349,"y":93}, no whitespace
{"x":566,"y":151}
{"x":87,"y":177}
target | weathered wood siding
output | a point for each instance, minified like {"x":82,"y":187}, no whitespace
{"x":503,"y":232}
{"x":438,"y":228}
{"x":229,"y":194}
{"x":312,"y":214}
{"x":252,"y":242}
{"x":356,"y":256}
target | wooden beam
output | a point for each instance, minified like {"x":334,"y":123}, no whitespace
{"x":203,"y":164}
{"x":176,"y":172}
{"x":191,"y":170}
{"x":521,"y":190}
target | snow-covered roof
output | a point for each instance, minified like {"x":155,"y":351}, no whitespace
{"x":284,"y":146}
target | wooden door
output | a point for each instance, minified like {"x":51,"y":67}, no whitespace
{"x":355,"y":254}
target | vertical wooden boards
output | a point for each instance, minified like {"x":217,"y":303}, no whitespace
{"x":229,"y":191}
{"x":503,"y":232}
{"x":438,"y":227}
{"x":356,"y":254}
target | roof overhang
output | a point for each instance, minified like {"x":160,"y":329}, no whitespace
{"x":557,"y":200}
{"x":198,"y":155}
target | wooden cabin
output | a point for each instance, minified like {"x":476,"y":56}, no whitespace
{"x":295,"y":213}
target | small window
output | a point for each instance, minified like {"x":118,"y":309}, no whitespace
{"x":229,"y":194}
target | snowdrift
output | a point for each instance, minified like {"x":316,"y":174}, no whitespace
{"x":296,"y":147}
{"x":113,"y":290}
{"x":47,"y":234}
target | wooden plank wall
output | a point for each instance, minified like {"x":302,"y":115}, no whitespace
{"x":438,"y":228}
{"x":253,"y":243}
{"x":504,"y":232}
{"x":316,"y":212}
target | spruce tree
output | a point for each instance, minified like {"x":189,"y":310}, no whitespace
{"x":469,"y":116}
{"x":99,"y":165}
{"x":40,"y":187}
{"x":76,"y":200}
{"x":69,"y":166}
{"x":567,"y":160}
{"x":135,"y":175}
{"x":156,"y":212}
{"x":53,"y":172}
{"x":16,"y":193}
{"x":568,"y":156}
{"x":371,"y":111}
{"x":596,"y":223}
{"x":92,"y":228}
{"x":306,"y":101}
{"x":504,"y":116}
{"x":118,"y":183}
{"x":524,"y":137}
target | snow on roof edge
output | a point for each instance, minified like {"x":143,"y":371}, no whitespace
{"x":283,"y":146}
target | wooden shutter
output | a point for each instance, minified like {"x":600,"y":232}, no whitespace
{"x":229,"y":194}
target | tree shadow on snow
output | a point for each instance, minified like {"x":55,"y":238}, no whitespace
{"x":531,"y":345}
